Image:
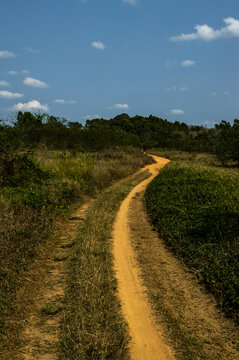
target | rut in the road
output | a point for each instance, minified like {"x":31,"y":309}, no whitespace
{"x":42,"y":330}
{"x":147,"y":340}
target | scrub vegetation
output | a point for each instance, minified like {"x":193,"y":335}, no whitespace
{"x":92,"y":324}
{"x":35,"y":192}
{"x":49,"y":164}
{"x":195,"y":207}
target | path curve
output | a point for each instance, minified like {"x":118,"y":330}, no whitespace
{"x":147,"y":340}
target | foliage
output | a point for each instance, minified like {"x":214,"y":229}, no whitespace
{"x":122,"y":130}
{"x":197,"y":211}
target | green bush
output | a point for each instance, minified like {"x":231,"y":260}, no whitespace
{"x":196,"y":210}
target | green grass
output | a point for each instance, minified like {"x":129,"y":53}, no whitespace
{"x":92,"y":325}
{"x":34,"y":194}
{"x":196,"y":210}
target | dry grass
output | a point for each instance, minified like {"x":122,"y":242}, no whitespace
{"x":92,"y":324}
{"x":29,"y":213}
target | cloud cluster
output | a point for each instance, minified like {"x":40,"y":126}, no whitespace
{"x":32,"y":105}
{"x":4,"y":54}
{"x":188,"y":63}
{"x":4,"y":83}
{"x":177,"y":112}
{"x":91,"y":117}
{"x":207,"y":33}
{"x":62,"y":101}
{"x":14,"y":72}
{"x":98,"y":45}
{"x":35,"y":83}
{"x":31,"y":50}
{"x":10,"y":95}
{"x":121,"y":106}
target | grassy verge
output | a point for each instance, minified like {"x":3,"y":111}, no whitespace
{"x":92,"y":326}
{"x":34,"y":195}
{"x":196,"y":210}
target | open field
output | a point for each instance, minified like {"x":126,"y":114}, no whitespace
{"x":33,"y":198}
{"x":194,"y":205}
{"x":63,"y":282}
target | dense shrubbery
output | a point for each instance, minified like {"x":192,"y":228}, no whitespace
{"x":122,"y":130}
{"x":196,"y":210}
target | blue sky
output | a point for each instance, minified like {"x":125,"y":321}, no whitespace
{"x":97,"y":58}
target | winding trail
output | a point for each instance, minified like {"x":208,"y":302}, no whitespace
{"x":147,"y":340}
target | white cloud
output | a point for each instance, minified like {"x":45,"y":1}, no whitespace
{"x":184,"y":88}
{"x":32,"y":105}
{"x":98,"y":45}
{"x":131,"y":2}
{"x":4,"y":54}
{"x":31,"y":50}
{"x":188,"y":63}
{"x":227,"y":93}
{"x":35,"y":83}
{"x":59,"y":101}
{"x":4,"y":83}
{"x":207,"y":33}
{"x":62,"y":101}
{"x":12,"y":72}
{"x":10,"y":95}
{"x":214,"y":93}
{"x":90,"y":117}
{"x":121,"y":106}
{"x":177,"y":112}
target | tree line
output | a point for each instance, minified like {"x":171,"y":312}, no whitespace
{"x":31,"y":130}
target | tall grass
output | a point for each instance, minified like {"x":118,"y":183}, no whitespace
{"x":196,"y":210}
{"x":92,"y":324}
{"x":35,"y":195}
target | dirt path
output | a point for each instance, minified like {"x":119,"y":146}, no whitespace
{"x":147,"y":341}
{"x":188,"y":314}
{"x":43,"y":320}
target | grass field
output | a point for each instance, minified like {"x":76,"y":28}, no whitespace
{"x":92,"y":324}
{"x":35,"y":192}
{"x":194,"y":204}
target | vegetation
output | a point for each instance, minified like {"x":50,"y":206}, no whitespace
{"x":92,"y":324}
{"x":31,"y":130}
{"x":34,"y":193}
{"x":195,"y":208}
{"x":48,"y":163}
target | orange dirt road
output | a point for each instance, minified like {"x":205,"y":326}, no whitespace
{"x":147,"y":341}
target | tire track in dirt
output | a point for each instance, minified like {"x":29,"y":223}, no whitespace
{"x":41,"y":336}
{"x":147,"y":339}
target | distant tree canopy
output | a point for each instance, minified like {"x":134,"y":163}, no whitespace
{"x":30,"y":130}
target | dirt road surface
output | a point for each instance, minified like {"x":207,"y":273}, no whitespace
{"x":147,"y":340}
